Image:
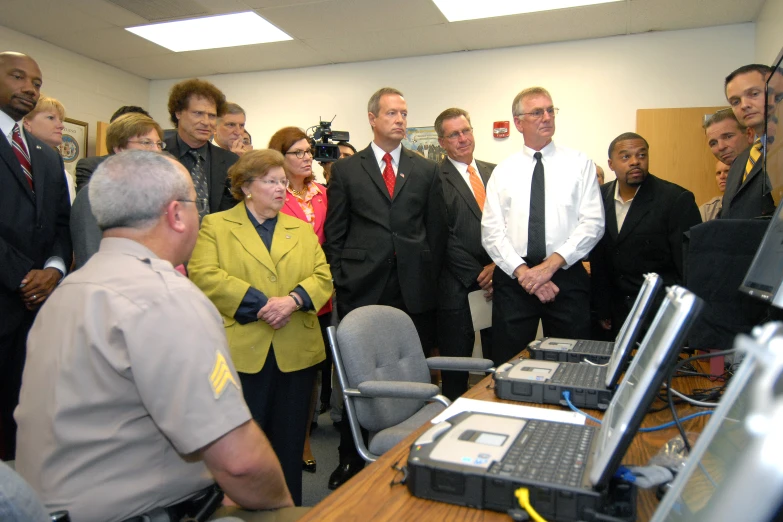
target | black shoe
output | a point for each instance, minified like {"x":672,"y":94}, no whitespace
{"x":309,"y":465}
{"x":343,"y":473}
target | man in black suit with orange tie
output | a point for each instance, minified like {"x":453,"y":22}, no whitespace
{"x":35,"y":242}
{"x":385,"y":233}
{"x":467,"y":266}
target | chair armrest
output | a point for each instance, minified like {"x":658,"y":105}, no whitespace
{"x":465,"y":364}
{"x":398,"y":389}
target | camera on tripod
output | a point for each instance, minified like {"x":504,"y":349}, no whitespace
{"x":325,"y":149}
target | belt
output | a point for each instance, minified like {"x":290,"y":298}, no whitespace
{"x":197,"y":508}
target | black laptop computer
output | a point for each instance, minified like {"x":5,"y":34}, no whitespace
{"x":481,"y":460}
{"x":590,"y":386}
{"x":577,"y":350}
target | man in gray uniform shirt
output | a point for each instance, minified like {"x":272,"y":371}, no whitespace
{"x":130,"y":404}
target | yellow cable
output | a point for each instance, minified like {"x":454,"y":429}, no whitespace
{"x":523,"y":496}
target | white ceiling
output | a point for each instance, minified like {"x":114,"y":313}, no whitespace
{"x":339,"y":31}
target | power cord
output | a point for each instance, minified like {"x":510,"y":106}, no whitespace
{"x":567,"y":397}
{"x":523,"y":497}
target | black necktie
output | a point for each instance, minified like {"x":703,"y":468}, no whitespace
{"x":199,"y":181}
{"x":536,"y":225}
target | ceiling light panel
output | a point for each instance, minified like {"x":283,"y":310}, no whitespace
{"x":460,"y":10}
{"x":212,"y":32}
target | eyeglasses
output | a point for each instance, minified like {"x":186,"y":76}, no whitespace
{"x":539,"y":113}
{"x":149,"y":143}
{"x":456,"y":134}
{"x":301,"y":153}
{"x":201,"y":204}
{"x":272,"y":182}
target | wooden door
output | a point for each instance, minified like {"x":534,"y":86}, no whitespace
{"x":678,"y":148}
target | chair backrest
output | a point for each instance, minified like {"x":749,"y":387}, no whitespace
{"x":380,"y":343}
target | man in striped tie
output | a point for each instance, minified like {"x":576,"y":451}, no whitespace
{"x":467,"y":266}
{"x":35,"y":242}
{"x":748,"y":188}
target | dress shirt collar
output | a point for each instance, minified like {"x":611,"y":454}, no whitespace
{"x":380,"y":153}
{"x":268,"y":225}
{"x":617,"y":197}
{"x":184,"y":148}
{"x":547,"y":151}
{"x":121,"y":245}
{"x":462,"y":168}
{"x":7,"y":126}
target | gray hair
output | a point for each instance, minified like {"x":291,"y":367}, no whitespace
{"x":234,"y":108}
{"x":374,"y":105}
{"x":516,"y":105}
{"x":130,"y":189}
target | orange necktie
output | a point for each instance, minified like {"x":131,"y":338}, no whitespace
{"x":477,"y":186}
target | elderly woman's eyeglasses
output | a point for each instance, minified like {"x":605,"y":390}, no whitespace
{"x":301,"y":153}
{"x":149,"y":143}
{"x":269,"y":182}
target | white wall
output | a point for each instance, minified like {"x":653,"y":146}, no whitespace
{"x":597,"y":84}
{"x":90,"y":90}
{"x":769,"y":32}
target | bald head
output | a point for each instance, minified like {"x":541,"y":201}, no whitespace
{"x":20,"y":84}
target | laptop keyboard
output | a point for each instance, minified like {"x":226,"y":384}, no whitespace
{"x":593,"y":347}
{"x":551,"y":452}
{"x":580,"y":375}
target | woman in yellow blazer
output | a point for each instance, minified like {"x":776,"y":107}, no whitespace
{"x":267,"y":275}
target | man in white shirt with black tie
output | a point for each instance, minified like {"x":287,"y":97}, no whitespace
{"x":542,"y":216}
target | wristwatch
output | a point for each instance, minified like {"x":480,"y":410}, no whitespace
{"x":296,"y":300}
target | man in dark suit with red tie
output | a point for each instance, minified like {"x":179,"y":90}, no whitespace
{"x":467,"y":266}
{"x":35,"y":242}
{"x":385,"y":233}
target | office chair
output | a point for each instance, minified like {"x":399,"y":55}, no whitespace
{"x":385,"y":378}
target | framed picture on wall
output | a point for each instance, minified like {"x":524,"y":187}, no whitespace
{"x":424,"y":140}
{"x":74,"y":146}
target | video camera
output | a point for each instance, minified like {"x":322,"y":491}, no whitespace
{"x":325,"y":149}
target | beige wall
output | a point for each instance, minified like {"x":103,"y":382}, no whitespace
{"x":769,"y":36}
{"x":597,"y":84}
{"x":90,"y":90}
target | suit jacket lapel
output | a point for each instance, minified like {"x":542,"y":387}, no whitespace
{"x":642,"y":203}
{"x":453,"y":177}
{"x":37,"y":159}
{"x":248,"y":237}
{"x":372,"y":169}
{"x":611,"y":215}
{"x":8,"y":156}
{"x":217,"y":174}
{"x":752,"y":174}
{"x":286,"y":236}
{"x":293,"y":207}
{"x":484,"y":171}
{"x":403,"y":170}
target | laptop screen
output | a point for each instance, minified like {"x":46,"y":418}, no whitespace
{"x":631,"y":327}
{"x":715,"y":453}
{"x":656,"y":355}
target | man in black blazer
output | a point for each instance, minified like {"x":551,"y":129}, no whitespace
{"x":748,"y":196}
{"x":35,"y":244}
{"x":194,"y":107}
{"x":385,"y":233}
{"x":646,"y":218}
{"x":467,"y":266}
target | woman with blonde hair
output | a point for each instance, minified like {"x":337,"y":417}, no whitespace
{"x":45,"y":122}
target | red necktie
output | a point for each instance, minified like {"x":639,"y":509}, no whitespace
{"x":21,"y":154}
{"x":388,"y":174}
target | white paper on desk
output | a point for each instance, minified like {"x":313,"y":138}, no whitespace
{"x":510,"y":410}
{"x":480,"y":310}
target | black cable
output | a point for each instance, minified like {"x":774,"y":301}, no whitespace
{"x":671,"y":395}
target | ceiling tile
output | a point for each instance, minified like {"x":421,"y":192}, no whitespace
{"x":164,"y":66}
{"x":262,"y":57}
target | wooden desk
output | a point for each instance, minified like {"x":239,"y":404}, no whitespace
{"x":369,"y":495}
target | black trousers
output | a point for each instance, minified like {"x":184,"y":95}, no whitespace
{"x":13,"y":348}
{"x":455,"y":339}
{"x":515,"y":313}
{"x":325,"y":321}
{"x":280,"y":404}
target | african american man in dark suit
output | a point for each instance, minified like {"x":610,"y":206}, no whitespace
{"x":35,"y":242}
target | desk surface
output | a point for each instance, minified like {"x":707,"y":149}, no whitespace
{"x":370,"y":495}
